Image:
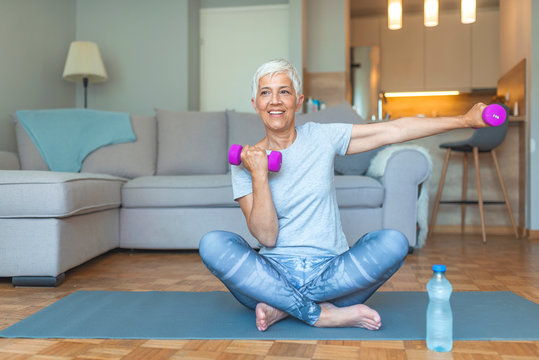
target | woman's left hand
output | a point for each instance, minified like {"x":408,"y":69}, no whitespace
{"x":473,"y":118}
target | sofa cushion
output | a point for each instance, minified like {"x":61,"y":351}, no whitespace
{"x":29,"y":155}
{"x":216,"y":190}
{"x":244,"y":128}
{"x":29,"y":193}
{"x":191,"y":143}
{"x":128,"y":160}
{"x":359,"y":191}
{"x":355,"y":164}
{"x":131,"y":159}
{"x":178,"y":191}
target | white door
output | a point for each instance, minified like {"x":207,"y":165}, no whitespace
{"x":234,"y":42}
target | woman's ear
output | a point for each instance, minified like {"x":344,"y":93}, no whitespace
{"x":253,"y":102}
{"x":300,"y":102}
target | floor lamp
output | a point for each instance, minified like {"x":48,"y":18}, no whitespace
{"x":84,"y":64}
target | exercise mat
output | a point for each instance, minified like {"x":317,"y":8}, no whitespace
{"x":217,"y":315}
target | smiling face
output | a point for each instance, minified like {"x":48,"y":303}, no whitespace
{"x":276,"y":102}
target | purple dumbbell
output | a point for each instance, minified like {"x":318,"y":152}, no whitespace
{"x":494,"y":115}
{"x":275,"y":158}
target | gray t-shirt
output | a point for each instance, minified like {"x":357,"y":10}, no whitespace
{"x":303,"y":192}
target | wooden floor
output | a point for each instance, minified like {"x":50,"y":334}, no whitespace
{"x":502,"y":264}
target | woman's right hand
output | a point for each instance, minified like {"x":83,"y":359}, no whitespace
{"x":255,"y":160}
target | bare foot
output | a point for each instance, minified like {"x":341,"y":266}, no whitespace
{"x":359,"y":315}
{"x":267,"y":315}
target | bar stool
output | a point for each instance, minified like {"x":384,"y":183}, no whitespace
{"x":483,"y":140}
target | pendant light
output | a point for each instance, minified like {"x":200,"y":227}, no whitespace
{"x":467,"y":11}
{"x":431,"y":13}
{"x":394,"y":14}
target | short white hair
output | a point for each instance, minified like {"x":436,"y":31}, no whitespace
{"x":273,"y":67}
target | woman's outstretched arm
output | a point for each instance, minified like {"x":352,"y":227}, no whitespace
{"x":371,"y":136}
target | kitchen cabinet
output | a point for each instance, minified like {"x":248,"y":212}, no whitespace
{"x":450,"y":56}
{"x":402,"y":55}
{"x":486,"y":49}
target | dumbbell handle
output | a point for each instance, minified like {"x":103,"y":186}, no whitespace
{"x":275,"y":158}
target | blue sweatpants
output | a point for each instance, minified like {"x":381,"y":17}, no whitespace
{"x":295,"y":284}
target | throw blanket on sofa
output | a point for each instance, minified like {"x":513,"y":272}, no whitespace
{"x":64,"y":137}
{"x":377,"y":168}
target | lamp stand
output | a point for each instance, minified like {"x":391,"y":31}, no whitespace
{"x":85,"y":83}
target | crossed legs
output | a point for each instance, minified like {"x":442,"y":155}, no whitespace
{"x":332,"y":298}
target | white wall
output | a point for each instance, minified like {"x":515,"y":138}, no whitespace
{"x":147,"y":48}
{"x":235,"y":41}
{"x":295,"y":29}
{"x":519,"y":37}
{"x":515,"y":26}
{"x":229,"y":3}
{"x":34,"y":37}
{"x":325,"y":36}
{"x":150,"y":50}
{"x":144,"y":45}
{"x":533,"y":103}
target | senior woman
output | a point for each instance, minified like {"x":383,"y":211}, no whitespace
{"x":305,"y":268}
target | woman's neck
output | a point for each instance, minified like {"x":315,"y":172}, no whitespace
{"x":280,"y":140}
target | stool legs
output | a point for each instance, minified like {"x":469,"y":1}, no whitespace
{"x":506,"y":198}
{"x":439,"y":194}
{"x":465,"y":196}
{"x":479,"y":193}
{"x":464,"y":192}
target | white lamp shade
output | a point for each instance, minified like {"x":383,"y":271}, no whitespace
{"x":394,"y":14}
{"x":431,"y":13}
{"x":84,"y":61}
{"x":467,"y":11}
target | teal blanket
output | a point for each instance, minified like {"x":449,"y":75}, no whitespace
{"x":64,"y":137}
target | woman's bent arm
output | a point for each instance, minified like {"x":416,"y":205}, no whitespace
{"x":260,"y":212}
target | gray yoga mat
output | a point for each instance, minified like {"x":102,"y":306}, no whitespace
{"x":217,"y":315}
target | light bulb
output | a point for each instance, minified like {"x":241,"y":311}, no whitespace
{"x":467,"y":11}
{"x":431,"y":13}
{"x":394,"y":14}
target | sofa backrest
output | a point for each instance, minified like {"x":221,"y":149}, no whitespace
{"x":188,"y":143}
{"x":191,"y":143}
{"x":130,"y":160}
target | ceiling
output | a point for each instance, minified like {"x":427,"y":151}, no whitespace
{"x":379,"y":7}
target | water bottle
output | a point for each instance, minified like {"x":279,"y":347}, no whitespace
{"x":439,"y":315}
{"x":309,"y":105}
{"x":316,"y":105}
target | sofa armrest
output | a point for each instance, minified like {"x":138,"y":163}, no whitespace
{"x":9,"y":161}
{"x":405,"y":170}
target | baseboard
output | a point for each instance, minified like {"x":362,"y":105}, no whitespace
{"x":532,"y":234}
{"x":491,"y":230}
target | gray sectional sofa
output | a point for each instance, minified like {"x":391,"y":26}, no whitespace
{"x":167,"y":189}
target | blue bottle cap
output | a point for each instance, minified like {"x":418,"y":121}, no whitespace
{"x":438,"y":268}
